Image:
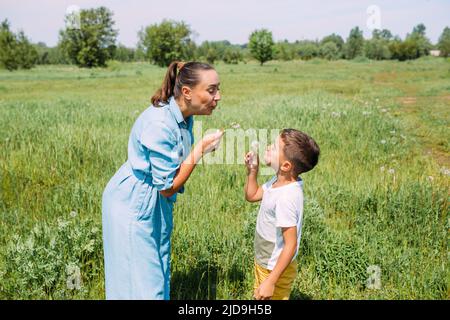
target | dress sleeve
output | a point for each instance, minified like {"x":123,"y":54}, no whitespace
{"x":164,"y":157}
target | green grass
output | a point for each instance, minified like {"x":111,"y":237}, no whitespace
{"x":64,"y":132}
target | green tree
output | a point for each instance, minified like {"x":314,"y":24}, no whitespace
{"x":232,"y":55}
{"x":329,"y":50}
{"x":307,"y":50}
{"x":337,"y":40}
{"x":404,"y":50}
{"x":42,"y":51}
{"x":8,"y":47}
{"x":91,"y":43}
{"x":122,"y":53}
{"x":210,"y":51}
{"x":26,"y":53}
{"x":419,"y":29}
{"x":16,"y":51}
{"x":377,"y":48}
{"x":211,"y":55}
{"x":383,"y":34}
{"x":213,"y":50}
{"x":444,"y":42}
{"x":166,"y":42}
{"x":261,"y":45}
{"x":355,"y":43}
{"x":50,"y":55}
{"x":417,"y":42}
{"x":284,"y":50}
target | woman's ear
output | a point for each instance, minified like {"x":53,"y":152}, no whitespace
{"x":187,"y":92}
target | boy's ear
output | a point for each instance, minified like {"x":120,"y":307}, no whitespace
{"x":286,"y":166}
{"x":187,"y":92}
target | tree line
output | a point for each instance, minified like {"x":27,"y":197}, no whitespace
{"x":91,"y":42}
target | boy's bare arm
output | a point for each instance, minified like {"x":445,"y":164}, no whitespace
{"x":286,"y":255}
{"x":266,"y":289}
{"x":253,"y":191}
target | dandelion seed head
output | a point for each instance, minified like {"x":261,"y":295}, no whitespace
{"x":335,"y":114}
{"x":235,"y":125}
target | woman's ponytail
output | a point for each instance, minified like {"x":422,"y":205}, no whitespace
{"x":167,"y":88}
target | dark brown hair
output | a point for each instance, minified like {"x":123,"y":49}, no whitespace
{"x":300,"y":149}
{"x":179,"y":74}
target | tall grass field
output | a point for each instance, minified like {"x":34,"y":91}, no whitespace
{"x":376,"y":206}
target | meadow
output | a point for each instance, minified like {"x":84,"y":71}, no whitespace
{"x":378,"y":199}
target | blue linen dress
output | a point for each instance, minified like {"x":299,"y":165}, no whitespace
{"x":136,"y":217}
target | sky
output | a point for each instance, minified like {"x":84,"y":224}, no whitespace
{"x":234,"y":20}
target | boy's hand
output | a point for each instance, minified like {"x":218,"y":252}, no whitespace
{"x":265,"y":290}
{"x":251,"y":162}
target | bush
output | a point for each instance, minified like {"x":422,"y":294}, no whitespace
{"x":53,"y":261}
{"x":329,"y":51}
{"x":232,"y":56}
{"x":284,"y":51}
{"x":335,"y":257}
{"x":377,"y":49}
{"x":307,"y":50}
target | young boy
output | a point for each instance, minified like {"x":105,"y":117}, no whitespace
{"x":279,"y":222}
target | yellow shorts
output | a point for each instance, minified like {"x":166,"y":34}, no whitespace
{"x":283,"y":286}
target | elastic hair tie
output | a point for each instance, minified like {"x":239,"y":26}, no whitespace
{"x":180,"y":65}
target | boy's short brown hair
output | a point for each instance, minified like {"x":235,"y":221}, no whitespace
{"x":300,"y":149}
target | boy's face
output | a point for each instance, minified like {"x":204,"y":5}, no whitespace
{"x":275,"y":158}
{"x":273,"y":153}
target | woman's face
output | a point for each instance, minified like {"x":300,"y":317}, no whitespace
{"x":205,"y":95}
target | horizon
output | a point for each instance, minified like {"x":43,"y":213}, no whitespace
{"x":288,"y":20}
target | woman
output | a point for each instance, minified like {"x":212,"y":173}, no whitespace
{"x":138,"y":201}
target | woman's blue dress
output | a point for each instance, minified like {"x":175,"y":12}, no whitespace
{"x":136,"y":217}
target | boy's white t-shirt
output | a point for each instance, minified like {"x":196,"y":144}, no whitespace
{"x":280,"y":207}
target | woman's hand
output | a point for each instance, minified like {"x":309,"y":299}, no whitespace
{"x":211,"y":141}
{"x":251,"y":162}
